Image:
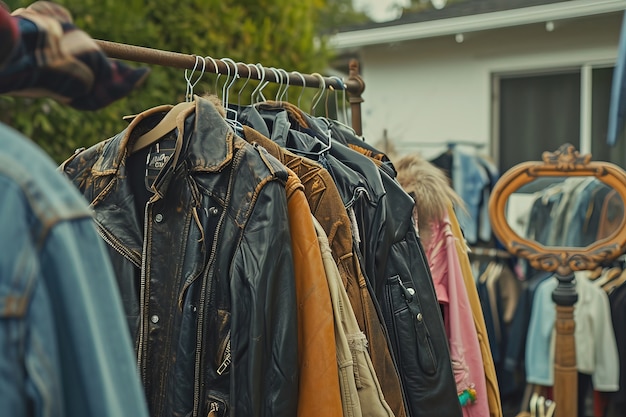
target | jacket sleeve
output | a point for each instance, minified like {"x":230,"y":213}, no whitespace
{"x":263,"y":329}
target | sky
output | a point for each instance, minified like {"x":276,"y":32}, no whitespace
{"x":378,"y":10}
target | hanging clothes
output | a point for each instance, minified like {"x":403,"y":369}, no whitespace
{"x":434,"y":200}
{"x":491,"y":380}
{"x":66,"y":351}
{"x":392,"y":256}
{"x":472,"y":177}
{"x":327,"y":207}
{"x":204,"y":269}
{"x":596,"y":350}
{"x":361,"y":391}
{"x":617,"y":401}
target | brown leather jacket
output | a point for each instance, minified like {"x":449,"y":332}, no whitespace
{"x":318,"y":388}
{"x":327,"y":207}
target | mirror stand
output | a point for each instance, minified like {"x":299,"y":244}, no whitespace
{"x":565,"y":371}
{"x":563,"y":261}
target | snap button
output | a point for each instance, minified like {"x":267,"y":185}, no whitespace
{"x":419,"y":317}
{"x":213,"y":211}
{"x":154,"y":319}
{"x":158,"y":218}
{"x":410,"y":291}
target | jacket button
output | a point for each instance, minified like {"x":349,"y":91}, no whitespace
{"x":213,"y":211}
{"x":419,"y":317}
{"x":410,"y":291}
{"x":158,"y":218}
{"x":154,"y":319}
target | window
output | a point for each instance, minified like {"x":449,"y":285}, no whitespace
{"x":540,"y":112}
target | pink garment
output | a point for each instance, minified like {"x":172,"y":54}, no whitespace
{"x":467,"y":362}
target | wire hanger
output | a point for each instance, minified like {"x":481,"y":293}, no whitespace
{"x":232,"y":119}
{"x":217,"y":72}
{"x":343,"y":98}
{"x":244,"y":84}
{"x":168,"y":123}
{"x":299,"y":74}
{"x":255,"y":93}
{"x":318,"y":95}
{"x":284,"y":95}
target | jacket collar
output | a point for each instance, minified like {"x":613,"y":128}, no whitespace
{"x":207,"y":139}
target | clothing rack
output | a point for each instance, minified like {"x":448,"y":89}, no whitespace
{"x":353,"y":86}
{"x":491,"y":252}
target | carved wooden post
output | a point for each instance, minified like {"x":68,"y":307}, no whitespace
{"x":565,"y":371}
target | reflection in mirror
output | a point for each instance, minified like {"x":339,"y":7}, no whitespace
{"x":565,"y":211}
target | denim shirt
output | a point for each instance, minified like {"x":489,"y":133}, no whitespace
{"x":469,"y":180}
{"x":65,"y":346}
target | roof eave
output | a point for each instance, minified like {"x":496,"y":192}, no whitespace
{"x":484,"y":21}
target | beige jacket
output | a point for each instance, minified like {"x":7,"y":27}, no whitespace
{"x":361,"y":393}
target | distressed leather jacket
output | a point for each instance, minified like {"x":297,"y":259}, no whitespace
{"x":204,"y":267}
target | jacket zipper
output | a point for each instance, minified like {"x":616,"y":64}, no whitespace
{"x":117,"y":245}
{"x":207,"y":286}
{"x":142,"y":299}
{"x":226,"y":357}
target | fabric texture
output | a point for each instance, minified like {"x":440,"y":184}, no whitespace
{"x":53,"y":58}
{"x":361,"y":392}
{"x":66,"y":350}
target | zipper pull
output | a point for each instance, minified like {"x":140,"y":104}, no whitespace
{"x":214,"y":408}
{"x":408,"y":292}
{"x":226,"y":362}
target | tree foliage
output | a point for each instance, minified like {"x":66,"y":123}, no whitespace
{"x":276,"y":33}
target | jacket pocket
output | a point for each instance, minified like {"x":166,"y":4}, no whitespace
{"x":409,"y":325}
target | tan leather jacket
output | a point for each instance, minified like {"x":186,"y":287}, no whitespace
{"x":318,"y":390}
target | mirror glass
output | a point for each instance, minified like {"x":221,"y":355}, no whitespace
{"x":565,"y":211}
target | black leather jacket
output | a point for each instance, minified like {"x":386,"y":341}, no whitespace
{"x":205,"y":274}
{"x":392,"y":256}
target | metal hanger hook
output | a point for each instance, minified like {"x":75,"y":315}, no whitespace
{"x":284,"y":93}
{"x":343,"y":99}
{"x":256,"y":91}
{"x":190,"y":85}
{"x":228,"y":85}
{"x":318,"y":95}
{"x":217,"y":71}
{"x":299,"y":74}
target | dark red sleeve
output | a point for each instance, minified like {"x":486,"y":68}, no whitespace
{"x":8,"y":34}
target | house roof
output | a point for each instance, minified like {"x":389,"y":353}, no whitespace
{"x":470,"y":16}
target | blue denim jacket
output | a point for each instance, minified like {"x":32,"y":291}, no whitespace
{"x":65,"y":346}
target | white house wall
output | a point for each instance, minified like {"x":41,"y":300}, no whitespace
{"x":438,"y":90}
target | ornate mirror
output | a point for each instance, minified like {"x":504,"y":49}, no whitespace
{"x":524,"y":212}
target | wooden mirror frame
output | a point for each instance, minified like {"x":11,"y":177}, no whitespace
{"x":563,"y":261}
{"x":565,"y":162}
